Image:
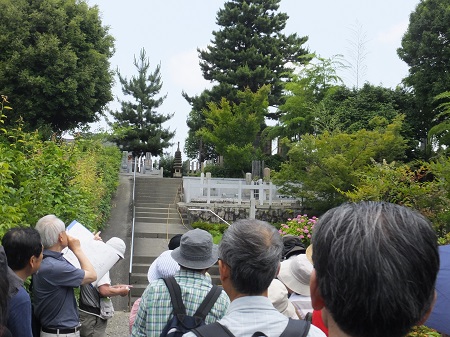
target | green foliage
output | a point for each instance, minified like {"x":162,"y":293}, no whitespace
{"x":248,"y":51}
{"x":233,"y":128}
{"x":166,"y":162}
{"x":300,"y":226}
{"x":54,"y":63}
{"x":216,"y":230}
{"x":305,"y":91}
{"x":441,"y":132}
{"x":72,"y":180}
{"x":138,"y":127}
{"x":425,"y":50}
{"x":424,"y":187}
{"x":319,"y":166}
{"x":423,"y":331}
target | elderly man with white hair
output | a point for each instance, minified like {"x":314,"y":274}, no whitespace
{"x":53,"y":296}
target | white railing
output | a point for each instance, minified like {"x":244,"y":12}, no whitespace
{"x":202,"y":189}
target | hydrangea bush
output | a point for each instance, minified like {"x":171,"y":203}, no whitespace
{"x":300,"y":226}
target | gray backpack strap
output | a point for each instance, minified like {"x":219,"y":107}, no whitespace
{"x":212,"y":330}
{"x":296,"y":328}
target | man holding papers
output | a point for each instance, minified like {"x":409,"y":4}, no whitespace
{"x":53,"y":296}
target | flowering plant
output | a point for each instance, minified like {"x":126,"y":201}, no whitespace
{"x":300,"y":226}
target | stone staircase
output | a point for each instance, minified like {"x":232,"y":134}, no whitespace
{"x":156,"y":221}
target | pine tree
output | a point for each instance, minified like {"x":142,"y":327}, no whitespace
{"x":249,"y":51}
{"x":138,"y":127}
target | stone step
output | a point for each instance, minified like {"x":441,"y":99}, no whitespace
{"x":159,"y":213}
{"x":142,"y":267}
{"x":158,"y":230}
{"x":154,"y":220}
{"x":162,"y":198}
{"x":154,"y":205}
{"x":139,"y":278}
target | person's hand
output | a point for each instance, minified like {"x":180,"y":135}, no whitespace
{"x":97,"y":236}
{"x":123,"y":289}
{"x":73,"y":243}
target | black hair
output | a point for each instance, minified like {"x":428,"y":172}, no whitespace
{"x":21,"y":243}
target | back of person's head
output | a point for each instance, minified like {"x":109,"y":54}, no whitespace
{"x":376,"y":265}
{"x":20,"y":245}
{"x":49,"y":227}
{"x":252,"y":250}
{"x":174,"y":242}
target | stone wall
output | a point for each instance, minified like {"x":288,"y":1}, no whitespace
{"x":233,"y":212}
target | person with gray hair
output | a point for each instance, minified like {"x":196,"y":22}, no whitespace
{"x":375,"y":269}
{"x":53,"y":296}
{"x":249,"y":259}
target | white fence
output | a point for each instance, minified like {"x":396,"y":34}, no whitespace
{"x":206,"y":189}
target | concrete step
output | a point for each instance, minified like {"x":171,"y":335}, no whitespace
{"x":157,"y":213}
{"x":154,"y":220}
{"x":158,"y":230}
{"x":139,"y":278}
{"x":155,"y":205}
{"x":142,"y":267}
{"x":166,"y":198}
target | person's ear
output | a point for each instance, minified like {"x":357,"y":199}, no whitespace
{"x":316,"y":298}
{"x":224,"y":271}
{"x":427,"y":314}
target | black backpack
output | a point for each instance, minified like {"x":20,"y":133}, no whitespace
{"x":295,"y":328}
{"x":181,"y":323}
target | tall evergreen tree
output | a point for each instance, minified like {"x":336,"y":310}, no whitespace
{"x":425,"y":48}
{"x":249,"y":51}
{"x":138,"y":127}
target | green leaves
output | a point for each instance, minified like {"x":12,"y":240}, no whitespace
{"x":138,"y":127}
{"x":72,"y":180}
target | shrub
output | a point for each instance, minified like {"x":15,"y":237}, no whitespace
{"x":300,"y":226}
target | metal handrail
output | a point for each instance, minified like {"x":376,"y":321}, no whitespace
{"x":208,"y":210}
{"x":132,"y":231}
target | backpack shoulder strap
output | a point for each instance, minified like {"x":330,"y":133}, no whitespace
{"x":215,"y":329}
{"x":175,"y":295}
{"x":296,"y":328}
{"x":208,"y":302}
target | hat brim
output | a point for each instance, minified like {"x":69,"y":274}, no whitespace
{"x":196,"y":264}
{"x":290,"y":281}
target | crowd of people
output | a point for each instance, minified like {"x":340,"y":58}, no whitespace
{"x":370,"y":272}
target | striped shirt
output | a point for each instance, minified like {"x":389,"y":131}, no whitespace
{"x":155,"y":309}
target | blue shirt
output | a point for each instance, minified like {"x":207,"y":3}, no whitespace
{"x":54,"y":299}
{"x":19,"y":314}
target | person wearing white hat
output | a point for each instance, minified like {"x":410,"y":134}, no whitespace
{"x":295,"y":274}
{"x":95,"y":304}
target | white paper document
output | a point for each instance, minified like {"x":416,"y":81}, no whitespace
{"x":102,"y":256}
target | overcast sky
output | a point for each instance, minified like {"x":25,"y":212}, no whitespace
{"x":172,"y":30}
